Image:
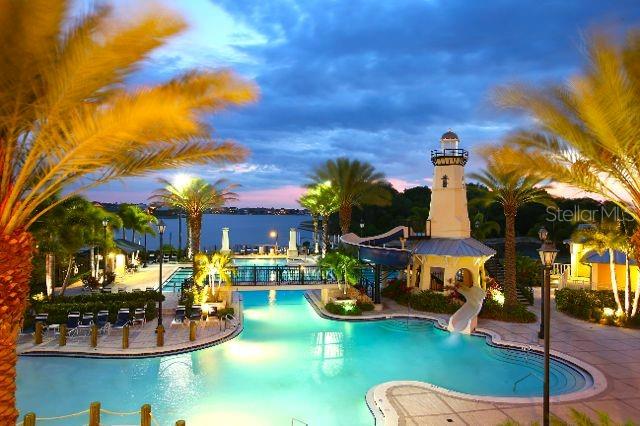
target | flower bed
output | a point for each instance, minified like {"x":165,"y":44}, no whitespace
{"x":441,"y":303}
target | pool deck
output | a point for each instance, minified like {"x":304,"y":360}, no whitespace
{"x":142,"y":339}
{"x":611,"y":350}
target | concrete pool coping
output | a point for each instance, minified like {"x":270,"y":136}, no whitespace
{"x":384,"y":412}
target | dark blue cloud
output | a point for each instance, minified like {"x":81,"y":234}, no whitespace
{"x":381,"y":80}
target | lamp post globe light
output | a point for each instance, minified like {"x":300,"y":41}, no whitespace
{"x":161,"y":228}
{"x":274,"y":234}
{"x":547,"y":254}
{"x":105,"y":225}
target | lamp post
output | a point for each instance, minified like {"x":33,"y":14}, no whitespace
{"x":274,"y":234}
{"x":547,"y":254}
{"x":161,"y":228}
{"x":179,"y":235}
{"x":105,"y":224}
{"x":361,"y":227}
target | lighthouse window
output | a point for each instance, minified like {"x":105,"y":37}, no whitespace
{"x":445,"y":180}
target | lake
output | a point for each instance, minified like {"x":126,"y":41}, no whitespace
{"x":243,"y":229}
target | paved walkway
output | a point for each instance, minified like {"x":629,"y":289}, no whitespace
{"x":614,"y":351}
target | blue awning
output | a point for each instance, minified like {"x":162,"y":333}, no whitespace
{"x":595,"y":257}
{"x":466,"y":247}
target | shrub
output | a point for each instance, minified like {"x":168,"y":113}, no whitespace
{"x":226,"y":311}
{"x":491,"y":309}
{"x":339,"y":309}
{"x":395,"y":289}
{"x":59,"y":307}
{"x":431,"y":301}
{"x":365,"y":306}
{"x":590,"y":305}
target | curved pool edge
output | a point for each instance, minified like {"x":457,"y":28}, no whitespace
{"x":166,"y":351}
{"x":383,"y":411}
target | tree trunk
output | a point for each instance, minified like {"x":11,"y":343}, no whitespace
{"x":92,"y":260}
{"x":195,"y":226}
{"x":325,"y":234}
{"x":16,"y":251}
{"x":315,"y":234}
{"x":627,"y":286}
{"x":67,"y":275}
{"x":614,"y":282}
{"x":345,"y":218}
{"x":48,"y":274}
{"x":510,"y":296}
{"x":635,"y":243}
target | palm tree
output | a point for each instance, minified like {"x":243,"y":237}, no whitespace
{"x":585,"y":133}
{"x":195,"y":196}
{"x":608,"y":237}
{"x":321,"y":201}
{"x":69,"y":123}
{"x":482,"y":228}
{"x":512,"y":190}
{"x":355,"y":183}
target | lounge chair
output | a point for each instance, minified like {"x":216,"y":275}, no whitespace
{"x":180,"y":315}
{"x":139,"y":316}
{"x":42,"y":318}
{"x":73,"y":321}
{"x":122,"y":290}
{"x":85,"y":323}
{"x":105,"y":290}
{"x":122,"y":319}
{"x":137,"y":290}
{"x":196,"y":313}
{"x":150,"y":289}
{"x":102,"y":321}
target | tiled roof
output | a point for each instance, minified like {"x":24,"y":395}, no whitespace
{"x":467,"y":247}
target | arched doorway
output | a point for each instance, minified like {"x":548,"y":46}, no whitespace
{"x":464,"y":277}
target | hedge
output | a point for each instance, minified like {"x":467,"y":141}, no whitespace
{"x":59,"y":307}
{"x":339,"y":309}
{"x":589,"y":305}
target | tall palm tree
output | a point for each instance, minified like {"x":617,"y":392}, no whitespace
{"x":607,"y":237}
{"x":321,"y":201}
{"x":195,"y":196}
{"x":69,"y":123}
{"x":355,"y":184}
{"x":512,"y":190}
{"x":585,"y":133}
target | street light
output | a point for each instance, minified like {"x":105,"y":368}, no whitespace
{"x":361,"y":228}
{"x":274,"y":234}
{"x":105,"y":224}
{"x":547,"y":254}
{"x":161,"y":228}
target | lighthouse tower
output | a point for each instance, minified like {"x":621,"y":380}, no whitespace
{"x":448,"y":216}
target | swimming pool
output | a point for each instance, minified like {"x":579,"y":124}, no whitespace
{"x":287,"y":363}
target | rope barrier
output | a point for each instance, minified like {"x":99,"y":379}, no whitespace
{"x":66,"y":416}
{"x":154,"y":421}
{"x":119,"y":413}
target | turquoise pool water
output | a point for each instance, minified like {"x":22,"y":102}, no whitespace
{"x":287,"y":363}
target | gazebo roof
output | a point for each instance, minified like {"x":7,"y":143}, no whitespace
{"x":466,"y":247}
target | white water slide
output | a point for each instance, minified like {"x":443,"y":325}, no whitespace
{"x":465,"y":319}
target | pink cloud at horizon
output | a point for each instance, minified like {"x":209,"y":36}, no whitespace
{"x":284,"y":196}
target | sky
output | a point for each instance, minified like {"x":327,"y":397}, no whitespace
{"x":378,"y":81}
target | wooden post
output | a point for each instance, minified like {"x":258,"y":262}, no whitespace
{"x":29,"y":419}
{"x":38,"y":334}
{"x":125,"y":337}
{"x":192,"y":331}
{"x":63,"y":334}
{"x":94,"y":414}
{"x":145,"y":415}
{"x":181,"y":423}
{"x":160,"y":336}
{"x":94,"y":335}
